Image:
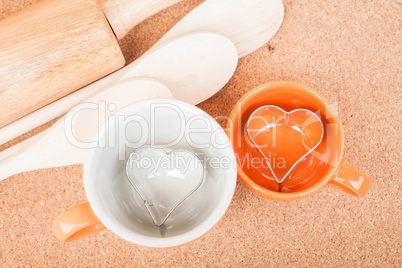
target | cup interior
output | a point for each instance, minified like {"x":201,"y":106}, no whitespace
{"x":314,"y":169}
{"x":170,"y":125}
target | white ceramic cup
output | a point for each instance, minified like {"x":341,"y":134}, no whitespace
{"x":115,"y":205}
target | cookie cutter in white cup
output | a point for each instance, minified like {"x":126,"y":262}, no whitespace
{"x":114,"y":204}
{"x":152,"y":183}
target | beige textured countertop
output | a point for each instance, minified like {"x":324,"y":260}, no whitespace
{"x":348,"y":50}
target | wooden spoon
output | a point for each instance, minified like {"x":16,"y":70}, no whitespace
{"x":123,"y":15}
{"x":65,"y":142}
{"x":55,"y":47}
{"x":181,"y":64}
{"x":247,"y":23}
{"x":208,"y":59}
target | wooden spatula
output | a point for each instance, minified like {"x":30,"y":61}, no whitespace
{"x":208,"y":58}
{"x":55,"y":47}
{"x":247,"y":23}
{"x":55,"y":146}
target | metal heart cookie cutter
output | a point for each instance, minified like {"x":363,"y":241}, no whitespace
{"x":273,"y":128}
{"x":164,"y":179}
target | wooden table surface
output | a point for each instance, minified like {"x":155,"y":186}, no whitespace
{"x":348,"y":50}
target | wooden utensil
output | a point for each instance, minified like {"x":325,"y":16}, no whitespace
{"x":123,"y":15}
{"x":248,"y":23}
{"x":55,"y":47}
{"x":208,"y":58}
{"x":65,"y":142}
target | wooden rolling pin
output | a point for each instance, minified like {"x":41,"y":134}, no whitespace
{"x":55,"y":47}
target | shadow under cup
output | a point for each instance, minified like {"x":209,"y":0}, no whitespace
{"x":315,"y":169}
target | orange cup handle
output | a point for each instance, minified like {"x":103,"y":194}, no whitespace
{"x":76,"y":222}
{"x":351,"y":181}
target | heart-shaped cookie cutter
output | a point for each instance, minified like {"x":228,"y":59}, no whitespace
{"x":285,"y":113}
{"x":148,"y":203}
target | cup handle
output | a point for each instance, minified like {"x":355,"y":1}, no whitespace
{"x":351,"y":181}
{"x":76,"y":222}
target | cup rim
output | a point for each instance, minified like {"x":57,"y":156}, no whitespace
{"x":256,"y":188}
{"x":174,"y":241}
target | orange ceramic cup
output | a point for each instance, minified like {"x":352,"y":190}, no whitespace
{"x":324,"y":166}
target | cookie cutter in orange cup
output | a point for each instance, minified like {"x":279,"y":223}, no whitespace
{"x":323,"y":166}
